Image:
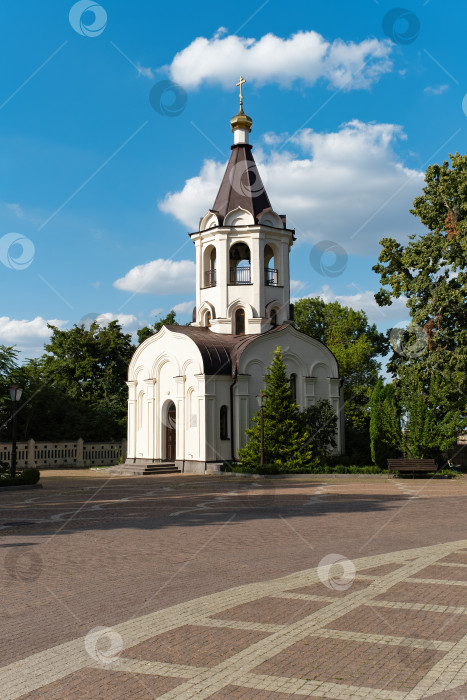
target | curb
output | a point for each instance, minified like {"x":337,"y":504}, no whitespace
{"x":302,"y":476}
{"x":21,"y":487}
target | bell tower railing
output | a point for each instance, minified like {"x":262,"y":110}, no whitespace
{"x":210,"y":278}
{"x":271,"y":276}
{"x":240,"y":275}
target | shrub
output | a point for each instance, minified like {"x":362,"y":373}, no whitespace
{"x":26,"y":477}
{"x":30,"y":476}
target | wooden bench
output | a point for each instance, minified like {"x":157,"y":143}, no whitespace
{"x":407,"y":464}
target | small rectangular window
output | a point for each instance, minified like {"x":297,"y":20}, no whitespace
{"x":223,"y":418}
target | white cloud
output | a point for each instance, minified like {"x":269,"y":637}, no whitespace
{"x":13,"y":208}
{"x":145,"y":71}
{"x":128,"y":322}
{"x":159,"y":277}
{"x":197,"y":196}
{"x":296,"y":286}
{"x":383,"y":316}
{"x":305,"y":56}
{"x":156,"y":312}
{"x":347,"y":186}
{"x":186,"y":307}
{"x":28,"y":337}
{"x":433,"y":90}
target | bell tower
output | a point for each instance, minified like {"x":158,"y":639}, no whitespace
{"x":242,"y":249}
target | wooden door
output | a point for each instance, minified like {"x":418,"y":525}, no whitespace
{"x":171,"y":434}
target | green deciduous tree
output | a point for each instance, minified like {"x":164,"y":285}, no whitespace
{"x":85,"y":369}
{"x":287,"y":441}
{"x":385,"y":424}
{"x":148,"y":331}
{"x":430,"y":366}
{"x":356,"y":345}
{"x":8,"y":366}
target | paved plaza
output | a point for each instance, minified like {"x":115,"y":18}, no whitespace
{"x":227,"y":587}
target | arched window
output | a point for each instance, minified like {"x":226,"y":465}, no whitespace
{"x":293,"y":387}
{"x":207,"y":318}
{"x":240,"y":322}
{"x":273,"y":317}
{"x":224,"y":424}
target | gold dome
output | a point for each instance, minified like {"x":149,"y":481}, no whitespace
{"x":241,"y":121}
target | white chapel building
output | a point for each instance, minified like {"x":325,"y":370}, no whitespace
{"x":193,"y":389}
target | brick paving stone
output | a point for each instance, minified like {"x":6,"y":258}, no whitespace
{"x":194,"y":645}
{"x":450,"y":573}
{"x":352,"y":663}
{"x":97,"y":684}
{"x":459,"y":693}
{"x":271,"y":610}
{"x":418,"y":624}
{"x":233,"y":692}
{"x":429,"y":593}
{"x":121,"y":551}
{"x":322,"y":590}
{"x":380,"y":570}
{"x":455,"y":558}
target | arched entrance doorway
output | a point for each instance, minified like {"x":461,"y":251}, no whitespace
{"x":171,"y":432}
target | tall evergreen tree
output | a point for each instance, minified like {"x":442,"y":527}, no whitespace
{"x":385,"y":427}
{"x":286,"y":443}
{"x":430,"y":426}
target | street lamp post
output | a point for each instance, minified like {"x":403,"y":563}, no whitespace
{"x":15,"y":394}
{"x":260,"y":398}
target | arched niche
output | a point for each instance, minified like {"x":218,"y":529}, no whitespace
{"x":270,"y":218}
{"x":272,"y":312}
{"x":239,"y":217}
{"x":321,"y":374}
{"x":210,"y":220}
{"x":206,"y":313}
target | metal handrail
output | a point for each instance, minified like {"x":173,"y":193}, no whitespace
{"x":210,"y":278}
{"x":270,"y":276}
{"x":240,"y":275}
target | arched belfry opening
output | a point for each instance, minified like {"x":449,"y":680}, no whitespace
{"x":271,"y":273}
{"x":240,"y":264}
{"x":209,"y":267}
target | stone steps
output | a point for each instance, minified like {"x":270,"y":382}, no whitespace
{"x":144,"y":469}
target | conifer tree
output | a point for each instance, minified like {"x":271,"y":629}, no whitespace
{"x":385,"y":429}
{"x":286,"y":442}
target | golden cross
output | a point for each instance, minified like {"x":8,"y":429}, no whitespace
{"x":240,"y":84}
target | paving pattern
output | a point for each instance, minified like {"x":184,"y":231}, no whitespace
{"x":387,"y":626}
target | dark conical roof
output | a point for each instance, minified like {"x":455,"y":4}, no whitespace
{"x":241,"y":185}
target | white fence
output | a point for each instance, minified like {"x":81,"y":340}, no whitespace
{"x":75,"y":453}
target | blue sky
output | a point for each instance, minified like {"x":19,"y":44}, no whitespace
{"x":350,"y":102}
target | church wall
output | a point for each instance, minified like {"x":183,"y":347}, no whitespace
{"x":161,"y":371}
{"x":313,"y":364}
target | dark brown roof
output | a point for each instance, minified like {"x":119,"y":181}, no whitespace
{"x":241,"y":185}
{"x":220,"y":351}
